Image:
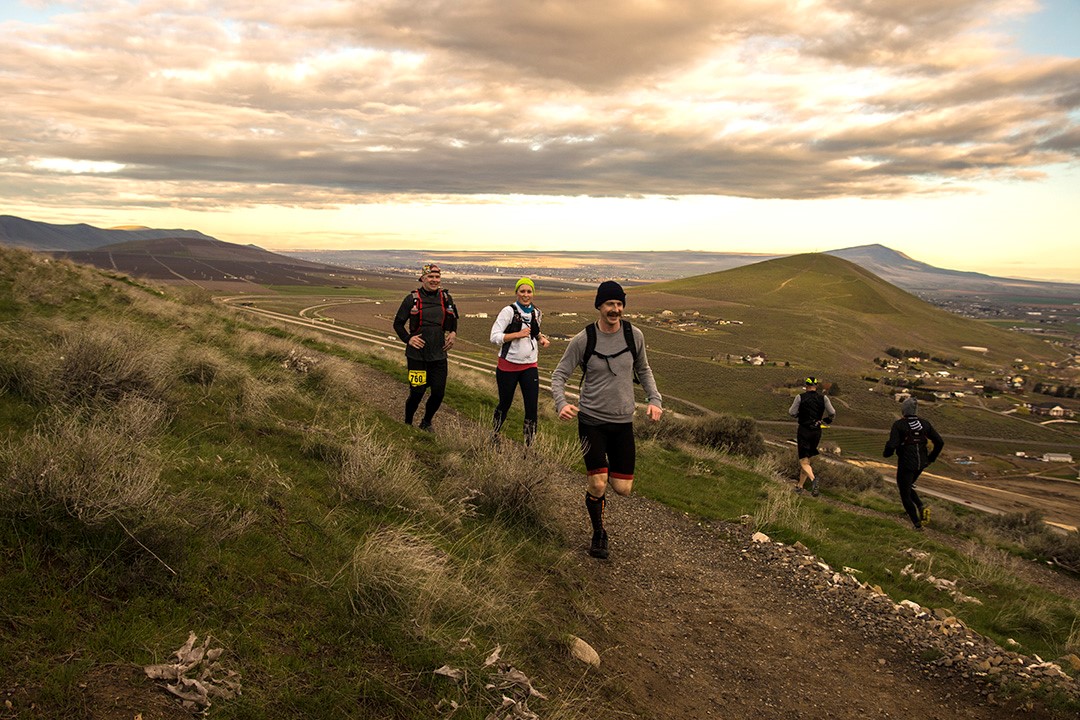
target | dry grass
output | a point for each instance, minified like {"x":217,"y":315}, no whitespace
{"x":400,"y":572}
{"x":92,"y":469}
{"x":105,"y":362}
{"x":376,"y":471}
{"x":983,"y":567}
{"x":782,"y":508}
{"x":503,"y":477}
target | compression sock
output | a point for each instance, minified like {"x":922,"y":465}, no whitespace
{"x":595,"y":506}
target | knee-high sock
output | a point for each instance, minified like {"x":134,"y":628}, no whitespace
{"x":595,"y":506}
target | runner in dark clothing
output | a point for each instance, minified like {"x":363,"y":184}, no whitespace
{"x":908,"y":439}
{"x":811,"y":409}
{"x":427,"y":323}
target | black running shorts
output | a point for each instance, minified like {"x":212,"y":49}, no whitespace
{"x":608,"y":448}
{"x":807,"y":440}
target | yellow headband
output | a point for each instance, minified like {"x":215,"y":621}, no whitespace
{"x":524,"y":281}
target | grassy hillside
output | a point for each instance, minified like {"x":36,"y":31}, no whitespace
{"x":169,"y":467}
{"x":166,"y":468}
{"x":823,"y":311}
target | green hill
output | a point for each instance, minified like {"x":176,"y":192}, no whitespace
{"x":823,"y":311}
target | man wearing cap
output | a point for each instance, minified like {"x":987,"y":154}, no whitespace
{"x":610,"y":352}
{"x":426,"y":322}
{"x":516,"y":331}
{"x":811,"y":409}
{"x":908,"y":439}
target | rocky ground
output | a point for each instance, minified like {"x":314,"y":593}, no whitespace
{"x":705,"y":620}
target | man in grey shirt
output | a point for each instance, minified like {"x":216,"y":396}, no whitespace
{"x":611,"y":354}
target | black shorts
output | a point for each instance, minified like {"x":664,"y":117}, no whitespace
{"x":608,"y":448}
{"x":807,"y":439}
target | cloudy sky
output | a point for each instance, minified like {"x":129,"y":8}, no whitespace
{"x":946,"y":129}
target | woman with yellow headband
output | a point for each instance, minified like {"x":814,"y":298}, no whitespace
{"x":517,"y":331}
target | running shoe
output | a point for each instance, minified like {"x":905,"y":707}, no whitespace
{"x":599,"y":549}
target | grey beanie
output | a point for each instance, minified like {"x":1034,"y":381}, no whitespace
{"x":910,"y":406}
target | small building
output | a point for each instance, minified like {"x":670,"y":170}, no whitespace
{"x":1057,"y":457}
{"x":1050,"y":409}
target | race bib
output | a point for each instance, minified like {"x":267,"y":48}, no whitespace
{"x":417,"y":377}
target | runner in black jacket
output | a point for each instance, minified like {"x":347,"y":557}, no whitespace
{"x":427,"y":323}
{"x":908,"y":439}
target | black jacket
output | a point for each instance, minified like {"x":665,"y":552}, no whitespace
{"x":908,"y":439}
{"x":429,"y":315}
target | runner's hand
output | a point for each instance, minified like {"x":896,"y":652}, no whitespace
{"x":568,"y":412}
{"x":653,"y":412}
{"x":417,"y":342}
{"x":449,"y":341}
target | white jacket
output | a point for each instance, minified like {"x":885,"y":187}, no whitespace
{"x":523,"y":351}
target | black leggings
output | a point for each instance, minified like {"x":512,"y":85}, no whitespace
{"x":508,"y":382}
{"x":905,"y":483}
{"x":436,"y":380}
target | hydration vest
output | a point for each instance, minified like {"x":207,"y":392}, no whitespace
{"x":416,"y":314}
{"x":914,"y":434}
{"x":590,"y":348}
{"x":811,"y":409}
{"x":516,"y":324}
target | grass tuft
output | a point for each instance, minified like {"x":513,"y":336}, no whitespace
{"x":92,"y":470}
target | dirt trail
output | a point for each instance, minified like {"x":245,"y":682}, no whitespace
{"x":695,"y":626}
{"x":701,"y":629}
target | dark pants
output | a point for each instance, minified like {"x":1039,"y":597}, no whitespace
{"x":436,"y":380}
{"x":508,"y":382}
{"x":905,"y":483}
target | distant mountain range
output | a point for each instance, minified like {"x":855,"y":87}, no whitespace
{"x":919,"y":277}
{"x":169,"y":254}
{"x":41,"y":236}
{"x":143,"y":251}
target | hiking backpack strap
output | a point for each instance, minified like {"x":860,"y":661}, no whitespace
{"x":416,"y":315}
{"x":514,"y":325}
{"x":590,"y":347}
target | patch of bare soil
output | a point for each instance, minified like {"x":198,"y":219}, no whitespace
{"x":110,"y":692}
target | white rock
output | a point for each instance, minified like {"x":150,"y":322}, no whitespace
{"x":584,"y":652}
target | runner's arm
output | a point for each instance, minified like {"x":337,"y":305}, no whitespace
{"x":401,"y":319}
{"x":935,"y":437}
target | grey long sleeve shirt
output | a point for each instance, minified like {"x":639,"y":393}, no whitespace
{"x":607,"y":393}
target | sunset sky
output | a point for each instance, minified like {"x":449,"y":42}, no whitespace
{"x":946,"y":129}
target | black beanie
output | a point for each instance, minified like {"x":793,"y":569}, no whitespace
{"x":609,"y":290}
